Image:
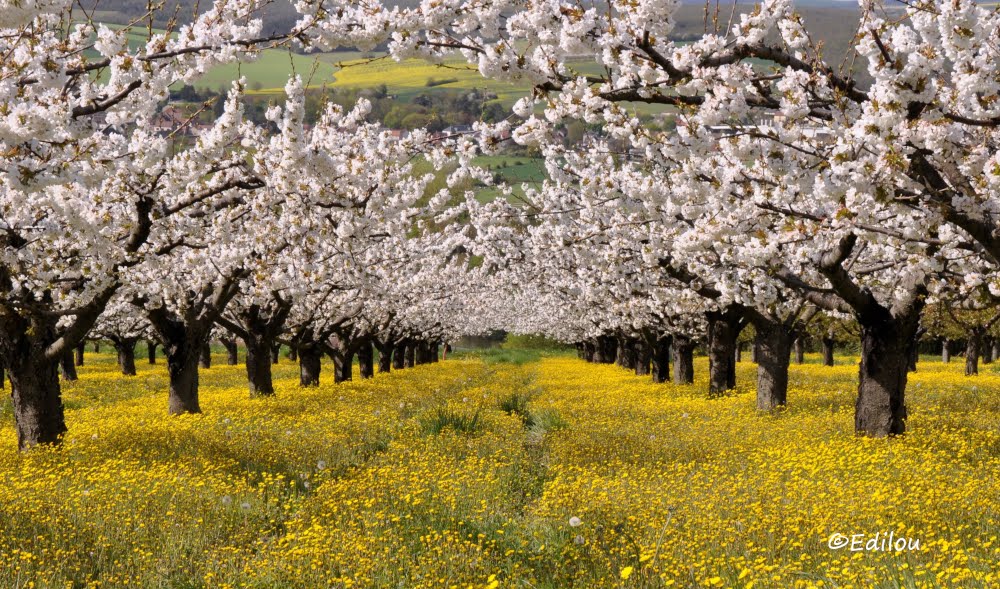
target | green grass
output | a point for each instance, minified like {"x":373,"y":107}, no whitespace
{"x":443,"y":419}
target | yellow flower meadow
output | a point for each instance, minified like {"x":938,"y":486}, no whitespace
{"x":462,"y":474}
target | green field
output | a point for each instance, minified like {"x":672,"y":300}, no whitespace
{"x":514,"y":170}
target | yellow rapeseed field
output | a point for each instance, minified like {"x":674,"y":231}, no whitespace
{"x":467,"y":473}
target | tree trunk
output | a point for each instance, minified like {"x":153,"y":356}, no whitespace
{"x":911,"y":365}
{"x":606,"y":348}
{"x":182,"y":366}
{"x":945,"y":351}
{"x":880,"y":409}
{"x":366,"y":359}
{"x":275,"y":353}
{"x":38,"y":408}
{"x":258,"y":365}
{"x":995,"y":349}
{"x":683,"y":349}
{"x":660,"y":357}
{"x":626,"y":353}
{"x":435,"y":352}
{"x":409,"y":355}
{"x":739,"y":352}
{"x":984,"y":349}
{"x":205,"y":360}
{"x":421,"y":353}
{"x":398,"y":356}
{"x":774,"y":343}
{"x":599,"y":357}
{"x":643,"y":355}
{"x":753,"y":352}
{"x":68,"y":366}
{"x":343,"y":367}
{"x":292,"y":354}
{"x":828,"y":343}
{"x":232,"y":351}
{"x":972,"y":346}
{"x":151,"y":351}
{"x":97,"y":347}
{"x":126,"y":356}
{"x":384,"y":357}
{"x":799,"y":347}
{"x":310,"y":364}
{"x":723,"y":329}
{"x":80,"y":348}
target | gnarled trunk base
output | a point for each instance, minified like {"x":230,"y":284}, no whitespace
{"x":683,"y":349}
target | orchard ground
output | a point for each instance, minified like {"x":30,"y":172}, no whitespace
{"x":502,"y":470}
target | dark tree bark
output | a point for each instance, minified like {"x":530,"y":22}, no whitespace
{"x":945,"y":350}
{"x":343,"y":368}
{"x":799,"y":348}
{"x":151,"y":351}
{"x":68,"y":365}
{"x":232,"y":351}
{"x":292,"y":354}
{"x":80,"y":348}
{"x":97,"y":347}
{"x":973,"y":345}
{"x":125,"y":348}
{"x":366,"y":358}
{"x":605,"y":349}
{"x":739,"y":352}
{"x":660,"y":358}
{"x":435,"y":352}
{"x":182,"y":366}
{"x":399,"y":356}
{"x":887,"y":338}
{"x":3,"y":376}
{"x":259,"y":326}
{"x":753,"y":352}
{"x":205,"y":359}
{"x":422,"y":352}
{"x":774,"y":342}
{"x":33,"y":370}
{"x":184,"y":336}
{"x":985,"y":348}
{"x":598,"y":356}
{"x":643,"y":356}
{"x":275,"y":353}
{"x":31,"y":349}
{"x":341,"y":351}
{"x":310,"y":364}
{"x":38,"y":408}
{"x":410,"y":354}
{"x":626,"y":353}
{"x":258,"y":364}
{"x":724,"y":328}
{"x":995,"y":349}
{"x":384,"y":348}
{"x":885,"y":350}
{"x":828,"y":348}
{"x":683,"y":349}
{"x":183,"y":343}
